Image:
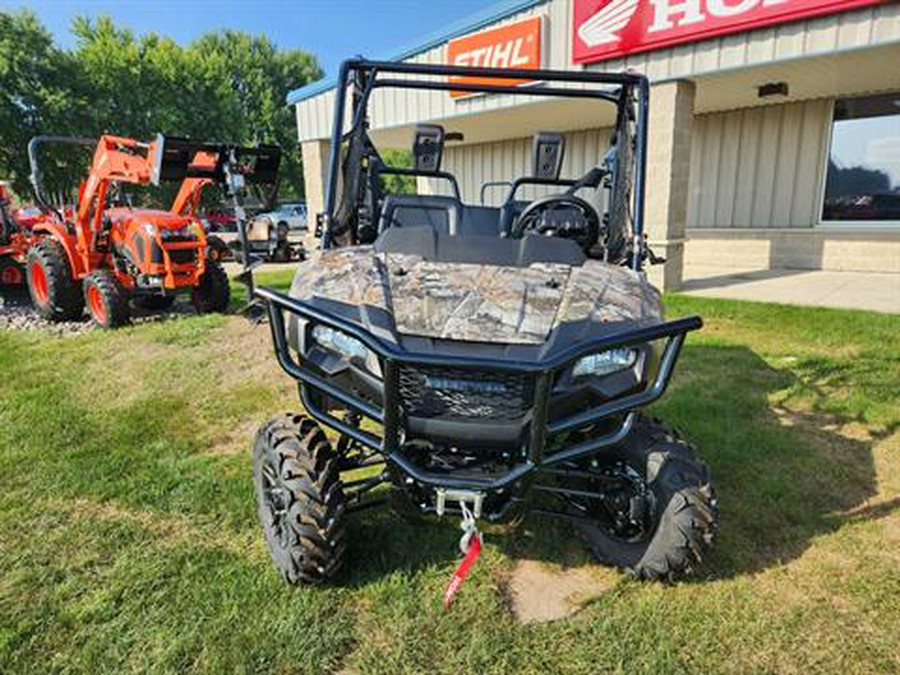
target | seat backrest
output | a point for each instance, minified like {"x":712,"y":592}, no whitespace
{"x":477,"y":250}
{"x":479,"y":221}
{"x":441,"y":214}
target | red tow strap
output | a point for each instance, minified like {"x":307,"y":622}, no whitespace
{"x":463,"y":570}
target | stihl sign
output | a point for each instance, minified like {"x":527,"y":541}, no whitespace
{"x":605,"y":29}
{"x":517,"y":45}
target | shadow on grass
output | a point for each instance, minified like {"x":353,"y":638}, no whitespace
{"x":783,"y":479}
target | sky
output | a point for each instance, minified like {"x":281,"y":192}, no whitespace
{"x":331,"y":29}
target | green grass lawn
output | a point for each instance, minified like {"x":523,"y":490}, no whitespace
{"x":129,"y":540}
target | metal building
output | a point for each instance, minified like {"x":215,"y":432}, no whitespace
{"x":774,"y":124}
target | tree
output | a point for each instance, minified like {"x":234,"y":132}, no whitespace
{"x":226,"y":86}
{"x":40,"y":92}
{"x":255,"y":77}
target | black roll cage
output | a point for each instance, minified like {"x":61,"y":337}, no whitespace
{"x":365,"y":76}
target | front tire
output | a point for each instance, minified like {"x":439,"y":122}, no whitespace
{"x":301,"y":503}
{"x":216,"y":249}
{"x":213,"y":293}
{"x":106,"y":300}
{"x":11,"y":273}
{"x":282,"y":253}
{"x":54,"y":292}
{"x":681,"y":515}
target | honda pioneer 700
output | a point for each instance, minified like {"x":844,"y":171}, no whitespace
{"x":481,"y":361}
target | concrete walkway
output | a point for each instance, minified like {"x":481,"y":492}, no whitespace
{"x":847,"y":290}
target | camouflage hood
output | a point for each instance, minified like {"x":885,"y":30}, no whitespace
{"x":477,"y":303}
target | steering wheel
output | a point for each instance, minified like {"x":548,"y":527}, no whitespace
{"x":547,"y":216}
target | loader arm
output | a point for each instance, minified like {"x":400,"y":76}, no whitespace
{"x":188,"y":198}
{"x":119,"y":159}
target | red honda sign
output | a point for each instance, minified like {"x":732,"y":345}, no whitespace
{"x":606,"y":29}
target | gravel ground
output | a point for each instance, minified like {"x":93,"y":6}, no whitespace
{"x":16,"y":313}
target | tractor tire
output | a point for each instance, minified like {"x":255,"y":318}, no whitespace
{"x":155,"y":303}
{"x":54,"y":292}
{"x":216,"y":249}
{"x":11,"y":273}
{"x":213,"y":294}
{"x":106,"y":300}
{"x":685,"y":519}
{"x":282,"y":252}
{"x":300,"y":499}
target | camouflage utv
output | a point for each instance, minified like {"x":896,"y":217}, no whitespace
{"x":481,"y":361}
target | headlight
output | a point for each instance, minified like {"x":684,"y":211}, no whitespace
{"x":604,"y":363}
{"x":349,"y":347}
{"x":181,"y":232}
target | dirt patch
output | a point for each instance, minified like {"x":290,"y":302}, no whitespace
{"x":244,"y":353}
{"x":234,"y":442}
{"x":822,"y":422}
{"x":538,"y":592}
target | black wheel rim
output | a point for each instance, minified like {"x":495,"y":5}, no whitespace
{"x":275,"y":498}
{"x":628,"y":513}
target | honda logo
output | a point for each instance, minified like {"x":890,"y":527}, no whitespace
{"x":611,"y":28}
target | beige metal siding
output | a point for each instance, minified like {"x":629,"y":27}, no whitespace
{"x":759,"y":167}
{"x":847,"y":32}
{"x":475,"y":164}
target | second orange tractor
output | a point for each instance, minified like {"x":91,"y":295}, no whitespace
{"x":103,"y":254}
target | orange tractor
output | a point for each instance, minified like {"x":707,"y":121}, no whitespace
{"x":15,"y":240}
{"x":104,"y":254}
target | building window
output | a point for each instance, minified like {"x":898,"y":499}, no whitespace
{"x":863,"y":179}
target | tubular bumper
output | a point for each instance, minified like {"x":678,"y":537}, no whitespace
{"x":541,"y":431}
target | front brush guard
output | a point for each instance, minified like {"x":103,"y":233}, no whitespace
{"x":541,"y":431}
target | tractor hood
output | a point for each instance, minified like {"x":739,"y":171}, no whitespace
{"x":475,"y":302}
{"x":164,"y":220}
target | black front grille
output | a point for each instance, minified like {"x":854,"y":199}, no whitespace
{"x":465,"y":394}
{"x":182,"y":256}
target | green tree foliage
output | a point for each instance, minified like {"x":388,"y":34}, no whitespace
{"x":258,"y":77}
{"x":398,"y":185}
{"x":40,"y":92}
{"x":226,"y":86}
